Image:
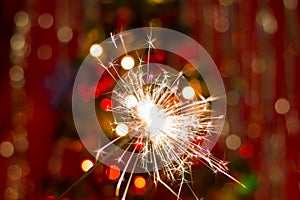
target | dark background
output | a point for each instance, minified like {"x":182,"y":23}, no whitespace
{"x":255,"y":44}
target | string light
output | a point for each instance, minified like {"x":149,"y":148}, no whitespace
{"x":18,"y":170}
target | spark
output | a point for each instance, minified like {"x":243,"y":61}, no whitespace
{"x":166,"y":118}
{"x":113,"y":39}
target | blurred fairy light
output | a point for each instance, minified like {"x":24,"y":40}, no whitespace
{"x":122,"y":130}
{"x":17,"y":42}
{"x":254,"y":130}
{"x":233,"y":142}
{"x":64,"y":34}
{"x":86,"y":165}
{"x":160,"y":123}
{"x":282,"y":106}
{"x":139,"y":182}
{"x":127,"y":62}
{"x":221,"y":24}
{"x":96,"y":50}
{"x":112,"y":172}
{"x":267,"y":20}
{"x":293,"y":124}
{"x":106,"y":104}
{"x":11,"y":193}
{"x":14,"y":172}
{"x":290,"y":4}
{"x":45,"y":20}
{"x":44,"y":52}
{"x":15,"y":149}
{"x":188,"y":92}
{"x":16,"y":73}
{"x":6,"y":149}
{"x":155,"y":22}
{"x":21,"y":143}
{"x":21,"y":19}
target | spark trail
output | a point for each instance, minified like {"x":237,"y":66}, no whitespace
{"x":162,"y":121}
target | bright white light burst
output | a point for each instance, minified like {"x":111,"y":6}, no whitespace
{"x":160,"y":123}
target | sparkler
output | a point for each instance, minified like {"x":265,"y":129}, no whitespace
{"x":160,"y":124}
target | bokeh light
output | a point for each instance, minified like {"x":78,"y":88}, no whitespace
{"x":258,"y":65}
{"x":267,"y":21}
{"x":45,"y":20}
{"x":233,"y":142}
{"x":96,"y":50}
{"x":290,"y":4}
{"x":11,"y":193}
{"x":127,"y":62}
{"x":21,"y":143}
{"x":293,"y":124}
{"x":21,"y":19}
{"x":188,"y":92}
{"x":86,"y":165}
{"x":254,"y":130}
{"x":155,"y":22}
{"x":226,"y":128}
{"x":122,"y":129}
{"x":44,"y":52}
{"x":282,"y":106}
{"x":17,"y":42}
{"x":246,"y":150}
{"x":112,"y":172}
{"x":139,"y":145}
{"x":6,"y":149}
{"x":14,"y":172}
{"x":16,"y":73}
{"x":64,"y":34}
{"x":139,"y":182}
{"x":221,"y":24}
{"x":106,"y":104}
